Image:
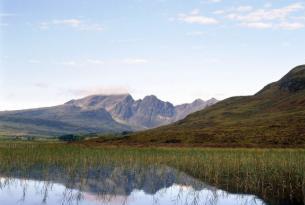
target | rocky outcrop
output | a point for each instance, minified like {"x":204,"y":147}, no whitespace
{"x":145,"y":113}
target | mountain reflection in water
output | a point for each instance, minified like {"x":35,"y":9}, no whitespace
{"x":113,"y":185}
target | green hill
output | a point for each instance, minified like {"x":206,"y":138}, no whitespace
{"x":275,"y":116}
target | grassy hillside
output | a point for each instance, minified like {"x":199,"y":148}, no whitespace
{"x":275,"y":116}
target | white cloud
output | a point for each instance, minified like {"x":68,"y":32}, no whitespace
{"x":283,"y":25}
{"x":33,"y":61}
{"x":290,"y":26}
{"x":243,"y":8}
{"x":267,"y":17}
{"x":90,"y":62}
{"x":91,"y":27}
{"x":81,"y":63}
{"x":95,"y":61}
{"x":234,"y":10}
{"x":99,"y":90}
{"x":127,"y":41}
{"x":298,"y":18}
{"x":68,"y":22}
{"x":44,"y":25}
{"x":195,"y":12}
{"x":218,"y":12}
{"x":198,"y":20}
{"x":213,"y":1}
{"x":267,"y":14}
{"x":194,"y":18}
{"x":69,"y":63}
{"x":257,"y":25}
{"x":74,"y":23}
{"x":133,"y":61}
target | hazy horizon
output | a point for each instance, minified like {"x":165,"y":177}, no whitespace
{"x":55,"y":51}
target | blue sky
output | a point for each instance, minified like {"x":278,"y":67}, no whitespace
{"x":54,"y":50}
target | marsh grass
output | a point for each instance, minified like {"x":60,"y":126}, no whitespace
{"x":276,"y":175}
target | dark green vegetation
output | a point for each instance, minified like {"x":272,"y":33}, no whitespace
{"x":275,"y":175}
{"x":275,"y":116}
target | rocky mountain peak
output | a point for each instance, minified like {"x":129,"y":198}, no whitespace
{"x":212,"y":101}
{"x":185,"y":109}
{"x":150,"y":98}
{"x":99,"y":101}
{"x":128,"y":98}
{"x":198,"y":102}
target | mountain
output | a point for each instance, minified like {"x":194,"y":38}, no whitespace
{"x":95,"y":114}
{"x":185,"y":109}
{"x":145,"y":113}
{"x":275,"y":116}
{"x":58,"y":120}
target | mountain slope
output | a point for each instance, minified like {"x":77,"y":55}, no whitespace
{"x":93,"y":114}
{"x":274,"y":116}
{"x":58,"y":120}
{"x":145,"y":113}
{"x":185,"y":109}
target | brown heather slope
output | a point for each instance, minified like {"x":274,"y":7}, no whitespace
{"x":275,"y":116}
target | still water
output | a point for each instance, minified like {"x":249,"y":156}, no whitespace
{"x":115,"y":186}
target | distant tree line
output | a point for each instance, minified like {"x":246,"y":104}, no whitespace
{"x":79,"y":137}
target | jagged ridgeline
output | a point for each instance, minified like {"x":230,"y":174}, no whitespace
{"x":274,"y":116}
{"x":96,"y":114}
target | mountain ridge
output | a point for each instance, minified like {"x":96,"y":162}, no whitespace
{"x":143,"y":113}
{"x":91,"y":114}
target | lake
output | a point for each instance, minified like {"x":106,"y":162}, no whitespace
{"x":114,"y":186}
{"x":47,"y":173}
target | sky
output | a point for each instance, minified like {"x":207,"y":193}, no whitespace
{"x":52,"y":51}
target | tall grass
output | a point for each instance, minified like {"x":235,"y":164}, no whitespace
{"x":275,"y":175}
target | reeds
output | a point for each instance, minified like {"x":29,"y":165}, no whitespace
{"x":275,"y":175}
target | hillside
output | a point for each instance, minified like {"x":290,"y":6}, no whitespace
{"x":274,"y":116}
{"x":56,"y":121}
{"x":96,"y":114}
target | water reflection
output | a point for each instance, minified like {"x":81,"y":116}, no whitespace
{"x":113,"y":185}
{"x":28,"y":192}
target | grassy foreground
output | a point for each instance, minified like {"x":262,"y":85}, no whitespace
{"x":272,"y":174}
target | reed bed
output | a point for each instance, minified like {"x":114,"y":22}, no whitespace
{"x":276,"y":175}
